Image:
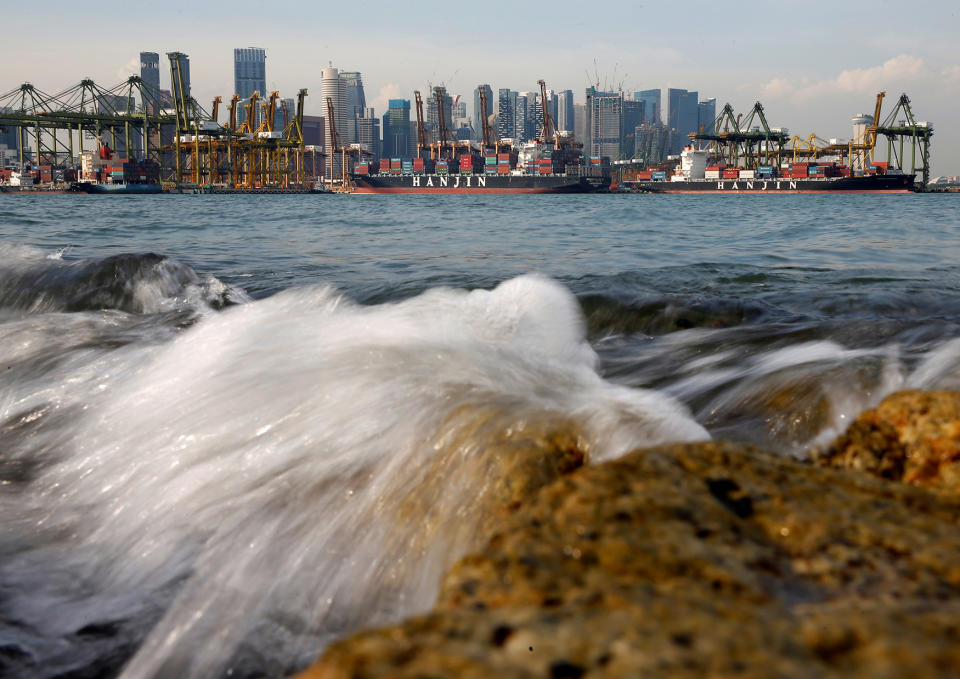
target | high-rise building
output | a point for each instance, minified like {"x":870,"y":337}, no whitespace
{"x":606,"y":123}
{"x":506,"y":108}
{"x":651,"y":104}
{"x":633,"y":116}
{"x":683,"y":116}
{"x":249,"y":71}
{"x":525,"y":116}
{"x":314,"y":130}
{"x":565,"y":118}
{"x":353,"y":86}
{"x":150,"y":74}
{"x":396,"y":130}
{"x":368,"y":133}
{"x":433,"y":121}
{"x":491,"y":108}
{"x":581,"y":130}
{"x":333,"y":88}
{"x":458,"y":109}
{"x":707,"y":114}
{"x":249,"y":76}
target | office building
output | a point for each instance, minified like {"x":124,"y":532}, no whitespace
{"x":707,"y":115}
{"x":651,"y":104}
{"x":396,"y":130}
{"x":249,"y":76}
{"x":683,"y":117}
{"x":353,"y":87}
{"x":250,"y":71}
{"x":633,"y":116}
{"x":433,"y":121}
{"x":605,"y":112}
{"x":565,"y":116}
{"x":580,"y":128}
{"x":314,"y":130}
{"x":367,"y":133}
{"x":491,"y":109}
{"x":506,"y":108}
{"x":150,"y":75}
{"x":334,"y":89}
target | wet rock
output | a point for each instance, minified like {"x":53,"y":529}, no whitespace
{"x":693,"y":560}
{"x":912,"y":436}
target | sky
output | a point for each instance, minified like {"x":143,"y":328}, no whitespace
{"x":812,"y":64}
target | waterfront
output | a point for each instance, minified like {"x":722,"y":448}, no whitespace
{"x":173,"y":426}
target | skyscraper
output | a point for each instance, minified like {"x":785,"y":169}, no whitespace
{"x":565,"y":121}
{"x":150,"y":73}
{"x":396,"y":130}
{"x":707,"y":114}
{"x":249,"y":71}
{"x":353,"y":86}
{"x":651,"y":104}
{"x":506,"y":107}
{"x":332,"y":87}
{"x":491,"y":108}
{"x":683,"y":116}
{"x":606,"y":124}
{"x":433,"y":121}
{"x":249,"y":76}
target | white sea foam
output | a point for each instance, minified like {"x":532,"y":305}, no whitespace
{"x":269,"y":455}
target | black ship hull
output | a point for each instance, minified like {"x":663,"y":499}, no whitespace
{"x":477,"y":183}
{"x":890,"y":183}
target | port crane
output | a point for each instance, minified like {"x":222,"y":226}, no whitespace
{"x":422,"y":140}
{"x":549,"y":130}
{"x":750,"y":142}
{"x":489,"y":136}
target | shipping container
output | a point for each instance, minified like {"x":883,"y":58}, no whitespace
{"x":731,"y":174}
{"x":747,"y":174}
{"x":503,"y":169}
{"x":712,"y":174}
{"x":659,"y":174}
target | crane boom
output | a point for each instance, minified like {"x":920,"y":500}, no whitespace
{"x":441,"y":120}
{"x":421,"y":130}
{"x":215,"y":109}
{"x":549,"y":130}
{"x":484,"y":117}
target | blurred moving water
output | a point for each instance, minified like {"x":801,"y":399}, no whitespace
{"x":235,"y":428}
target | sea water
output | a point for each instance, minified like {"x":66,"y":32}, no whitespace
{"x":235,"y":428}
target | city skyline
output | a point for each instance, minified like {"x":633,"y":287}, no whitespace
{"x":807,"y":81}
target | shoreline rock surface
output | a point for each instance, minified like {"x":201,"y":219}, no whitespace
{"x":710,"y":559}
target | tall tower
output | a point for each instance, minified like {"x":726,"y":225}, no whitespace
{"x":506,"y":107}
{"x":249,"y":71}
{"x":331,"y":86}
{"x":565,"y":111}
{"x":356,"y":101}
{"x":249,"y":76}
{"x":150,"y":71}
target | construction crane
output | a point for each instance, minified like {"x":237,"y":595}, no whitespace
{"x":489,"y":137}
{"x":422,"y":141}
{"x":549,"y":128}
{"x":442,"y":132}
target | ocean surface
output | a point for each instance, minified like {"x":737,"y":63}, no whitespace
{"x":235,"y":428}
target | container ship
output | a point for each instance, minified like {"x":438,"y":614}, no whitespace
{"x":695,"y":176}
{"x":535,"y":167}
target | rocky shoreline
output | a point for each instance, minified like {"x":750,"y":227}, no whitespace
{"x":710,"y":559}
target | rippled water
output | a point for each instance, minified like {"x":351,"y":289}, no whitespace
{"x":233,"y":428}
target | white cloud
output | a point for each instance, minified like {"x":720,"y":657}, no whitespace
{"x":130,"y":68}
{"x":901,"y":70}
{"x":387,"y":92}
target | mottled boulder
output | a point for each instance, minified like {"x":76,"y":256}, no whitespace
{"x":912,"y":436}
{"x":688,"y":561}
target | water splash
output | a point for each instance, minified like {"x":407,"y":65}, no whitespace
{"x":292,"y":468}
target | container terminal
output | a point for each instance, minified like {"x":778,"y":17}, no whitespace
{"x":181,"y":147}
